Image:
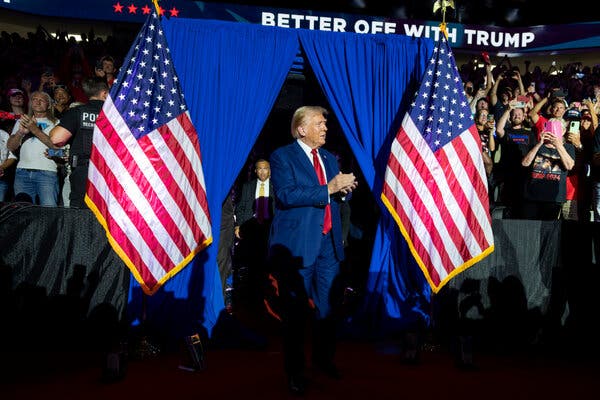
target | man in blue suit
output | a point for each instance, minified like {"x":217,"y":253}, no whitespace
{"x":306,"y":241}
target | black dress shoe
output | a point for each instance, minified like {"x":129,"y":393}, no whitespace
{"x":330,"y":370}
{"x":297,"y":384}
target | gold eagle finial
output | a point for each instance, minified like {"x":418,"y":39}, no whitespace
{"x":442,"y":4}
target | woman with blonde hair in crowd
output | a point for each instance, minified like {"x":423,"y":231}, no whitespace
{"x":36,"y":174}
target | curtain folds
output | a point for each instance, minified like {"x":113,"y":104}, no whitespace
{"x":231,"y":74}
{"x":368,"y":80}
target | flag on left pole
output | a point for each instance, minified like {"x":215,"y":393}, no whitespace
{"x":145,"y":180}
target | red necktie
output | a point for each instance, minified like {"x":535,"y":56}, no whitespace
{"x":321,"y":176}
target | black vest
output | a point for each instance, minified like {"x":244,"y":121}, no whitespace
{"x":81,"y":146}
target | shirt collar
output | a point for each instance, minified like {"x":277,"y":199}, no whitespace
{"x":307,"y":149}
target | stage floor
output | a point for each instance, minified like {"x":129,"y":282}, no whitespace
{"x":371,"y":370}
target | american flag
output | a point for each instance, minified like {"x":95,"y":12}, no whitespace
{"x":435,"y":184}
{"x":145,"y":179}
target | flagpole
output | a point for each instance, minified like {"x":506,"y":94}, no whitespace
{"x":155,"y":2}
{"x":464,"y":350}
{"x":431,"y":343}
{"x":145,"y":348}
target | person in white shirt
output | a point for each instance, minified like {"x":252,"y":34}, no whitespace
{"x":36,"y":174}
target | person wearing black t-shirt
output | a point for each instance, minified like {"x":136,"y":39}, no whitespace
{"x":76,"y":127}
{"x":515,"y":140}
{"x":548,"y":162}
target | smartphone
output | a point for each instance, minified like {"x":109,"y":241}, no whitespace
{"x":519,"y":104}
{"x":574,"y":127}
{"x":56,"y":152}
{"x":554,"y":126}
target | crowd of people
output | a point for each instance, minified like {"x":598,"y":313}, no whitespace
{"x":514,"y":110}
{"x":539,"y":142}
{"x":42,"y":79}
{"x":538,"y":131}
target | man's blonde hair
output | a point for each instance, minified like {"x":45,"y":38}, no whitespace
{"x":302,"y":114}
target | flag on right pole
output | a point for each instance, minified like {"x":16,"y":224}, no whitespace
{"x":435,"y":184}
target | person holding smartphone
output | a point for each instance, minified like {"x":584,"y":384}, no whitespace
{"x":580,"y":133}
{"x":571,"y":206}
{"x":548,"y":162}
{"x":556,"y":110}
{"x":532,"y":93}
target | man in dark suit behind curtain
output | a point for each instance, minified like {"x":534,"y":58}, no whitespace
{"x":253,"y":214}
{"x":306,"y":241}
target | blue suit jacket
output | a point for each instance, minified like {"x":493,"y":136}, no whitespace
{"x":300,"y":203}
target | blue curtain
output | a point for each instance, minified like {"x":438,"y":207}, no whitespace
{"x":368,"y":80}
{"x":231,"y":74}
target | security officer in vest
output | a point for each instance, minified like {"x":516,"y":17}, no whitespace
{"x":76,"y":127}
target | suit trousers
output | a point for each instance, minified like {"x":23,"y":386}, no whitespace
{"x":298,"y":284}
